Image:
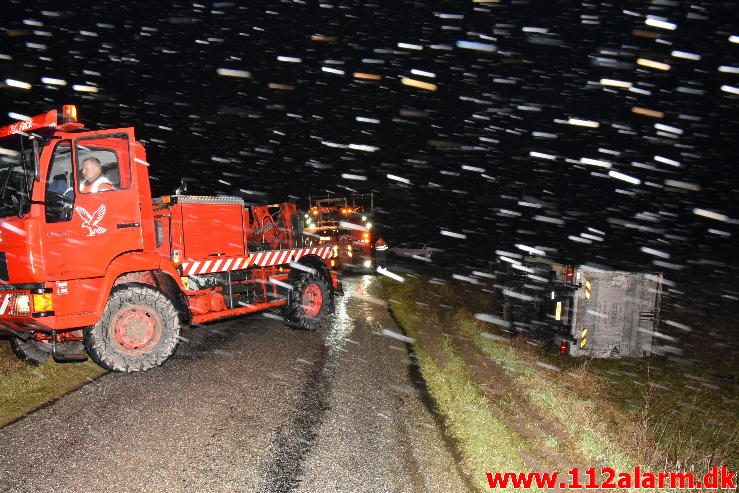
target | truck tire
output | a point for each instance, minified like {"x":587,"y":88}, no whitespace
{"x":138,"y":330}
{"x":37,"y":352}
{"x":309,"y":301}
{"x":32,"y":351}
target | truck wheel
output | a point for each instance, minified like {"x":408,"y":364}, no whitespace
{"x":138,"y":330}
{"x":309,"y":302}
{"x":31,"y":351}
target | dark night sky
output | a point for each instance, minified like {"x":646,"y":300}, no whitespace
{"x":464,"y":150}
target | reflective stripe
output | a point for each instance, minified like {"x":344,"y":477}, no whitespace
{"x":284,"y":257}
{"x":256,"y":259}
{"x":205,"y":267}
{"x":275,"y":256}
{"x":94,"y":187}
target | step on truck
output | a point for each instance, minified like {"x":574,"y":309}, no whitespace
{"x":92,"y":265}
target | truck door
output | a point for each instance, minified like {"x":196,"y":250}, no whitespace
{"x":100,"y":218}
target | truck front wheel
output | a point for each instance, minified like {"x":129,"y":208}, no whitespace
{"x":138,"y":330}
{"x":37,"y":352}
{"x":309,"y":301}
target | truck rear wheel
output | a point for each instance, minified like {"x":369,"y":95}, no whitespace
{"x":31,"y":351}
{"x":309,"y":301}
{"x":138,"y":330}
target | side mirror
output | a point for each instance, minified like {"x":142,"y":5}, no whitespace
{"x":182,"y":189}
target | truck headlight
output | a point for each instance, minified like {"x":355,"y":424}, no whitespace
{"x":22,"y":305}
{"x":367,"y":264}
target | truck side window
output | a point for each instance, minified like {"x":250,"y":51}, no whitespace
{"x":102,"y":163}
{"x":60,"y":184}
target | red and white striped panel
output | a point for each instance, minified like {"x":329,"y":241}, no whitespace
{"x":257,"y":259}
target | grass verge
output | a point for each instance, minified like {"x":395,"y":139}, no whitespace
{"x":484,"y":441}
{"x":488,"y":445}
{"x":24,"y":388}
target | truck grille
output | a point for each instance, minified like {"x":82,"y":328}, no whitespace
{"x":3,"y":268}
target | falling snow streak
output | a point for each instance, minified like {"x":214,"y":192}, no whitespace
{"x":480,"y":125}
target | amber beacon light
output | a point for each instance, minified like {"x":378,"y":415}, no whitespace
{"x":69,"y":113}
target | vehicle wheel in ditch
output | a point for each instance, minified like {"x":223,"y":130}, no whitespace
{"x":309,"y":301}
{"x":138,"y":330}
{"x":31,"y":351}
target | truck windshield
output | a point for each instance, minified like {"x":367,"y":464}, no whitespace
{"x":17,"y":165}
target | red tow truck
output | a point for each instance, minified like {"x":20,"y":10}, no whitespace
{"x":111,"y":273}
{"x":345,"y":222}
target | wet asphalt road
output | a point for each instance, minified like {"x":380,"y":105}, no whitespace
{"x":246,"y":405}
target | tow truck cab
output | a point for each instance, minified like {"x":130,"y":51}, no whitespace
{"x":51,"y":240}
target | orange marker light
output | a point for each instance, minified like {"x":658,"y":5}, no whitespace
{"x":69,"y":113}
{"x":42,"y":303}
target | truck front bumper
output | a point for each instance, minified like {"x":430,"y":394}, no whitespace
{"x":26,"y":310}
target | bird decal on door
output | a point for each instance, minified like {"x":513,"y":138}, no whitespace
{"x":91,"y":221}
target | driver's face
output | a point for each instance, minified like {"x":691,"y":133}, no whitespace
{"x":90,"y":170}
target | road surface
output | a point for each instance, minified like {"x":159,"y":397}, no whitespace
{"x":250,"y":406}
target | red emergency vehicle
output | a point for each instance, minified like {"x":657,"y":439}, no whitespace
{"x":345,"y":222}
{"x":115,"y":274}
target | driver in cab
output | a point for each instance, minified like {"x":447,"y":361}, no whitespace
{"x":92,"y":177}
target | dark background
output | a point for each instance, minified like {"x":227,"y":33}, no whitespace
{"x":156,"y":67}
